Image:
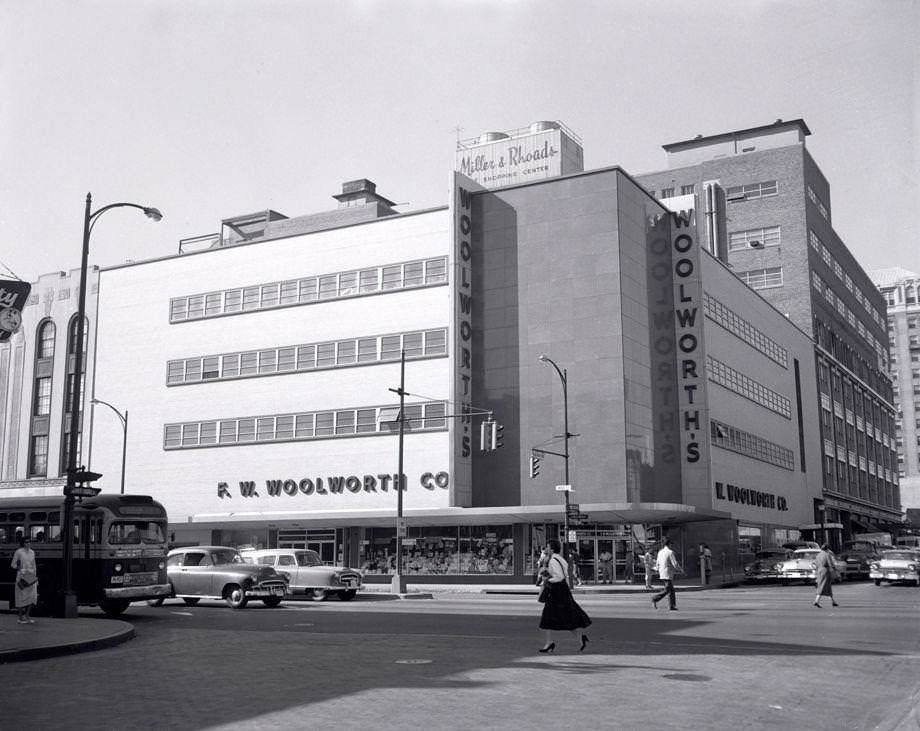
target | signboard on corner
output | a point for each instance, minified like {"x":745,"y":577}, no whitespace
{"x":13,"y":296}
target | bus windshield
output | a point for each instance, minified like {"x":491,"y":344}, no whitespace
{"x":135,"y":532}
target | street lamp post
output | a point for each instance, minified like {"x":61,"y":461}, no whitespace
{"x":69,"y":602}
{"x":398,"y":584}
{"x":123,"y":417}
{"x":563,"y":375}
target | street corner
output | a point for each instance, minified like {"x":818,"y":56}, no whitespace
{"x":46,"y":637}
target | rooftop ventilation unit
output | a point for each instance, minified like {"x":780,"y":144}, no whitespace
{"x":755,"y":244}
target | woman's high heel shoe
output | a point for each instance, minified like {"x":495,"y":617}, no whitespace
{"x":584,"y":642}
{"x":549,"y":648}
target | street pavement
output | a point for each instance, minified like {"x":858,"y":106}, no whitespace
{"x":741,"y":658}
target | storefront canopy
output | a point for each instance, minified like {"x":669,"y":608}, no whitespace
{"x":615,"y":513}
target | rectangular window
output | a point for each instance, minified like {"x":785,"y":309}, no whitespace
{"x":195,"y":306}
{"x":392,"y":277}
{"x":189,"y":435}
{"x":265,"y":428}
{"x":228,"y":431}
{"x":328,"y":286}
{"x":325,"y":355}
{"x":42,"y":397}
{"x":208,"y":434}
{"x":173,"y":435}
{"x":251,"y":298}
{"x":287,"y":358}
{"x":346,"y":352}
{"x":369,"y":280}
{"x":414,"y":274}
{"x":248,"y":363}
{"x":178,"y":309}
{"x":210,"y":367}
{"x":763,"y":278}
{"x":325,"y":422}
{"x":435,"y":416}
{"x":435,"y":342}
{"x":345,"y":422}
{"x":306,"y":357}
{"x":754,"y":238}
{"x":38,"y":459}
{"x":435,"y":270}
{"x":687,"y":189}
{"x":270,"y":294}
{"x":175,"y":371}
{"x":303,"y":426}
{"x":367,"y":350}
{"x":667,"y":192}
{"x":390,"y":347}
{"x":231,"y":365}
{"x":284,"y":427}
{"x":193,"y":369}
{"x":212,"y":304}
{"x":367,"y":421}
{"x":233,"y":300}
{"x":288,"y":292}
{"x":348,"y":284}
{"x":412,"y":344}
{"x":308,"y":290}
{"x":268,"y":361}
{"x":246,"y":430}
{"x":751,"y":191}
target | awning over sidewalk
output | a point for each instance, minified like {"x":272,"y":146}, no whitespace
{"x":616,"y":513}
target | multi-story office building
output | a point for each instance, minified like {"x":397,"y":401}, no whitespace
{"x":901,"y":290}
{"x":779,"y":239}
{"x":36,"y":382}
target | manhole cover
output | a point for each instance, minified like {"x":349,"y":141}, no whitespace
{"x":413,"y":662}
{"x":687,"y":676}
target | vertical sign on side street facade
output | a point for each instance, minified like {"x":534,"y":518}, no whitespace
{"x":461,"y":356}
{"x":693,"y":416}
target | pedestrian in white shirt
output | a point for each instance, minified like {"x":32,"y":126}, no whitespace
{"x":668,"y":568}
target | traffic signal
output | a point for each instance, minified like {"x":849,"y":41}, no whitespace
{"x":485,"y":435}
{"x":496,"y":435}
{"x":534,"y":466}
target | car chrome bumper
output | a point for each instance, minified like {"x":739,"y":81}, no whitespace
{"x":279,"y":590}
{"x":894,"y":575}
{"x":150,"y":591}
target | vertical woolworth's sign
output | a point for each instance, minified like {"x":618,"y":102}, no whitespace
{"x":693,"y":418}
{"x":461,"y":356}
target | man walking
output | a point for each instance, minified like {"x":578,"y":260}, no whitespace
{"x":648,"y":563}
{"x":667,"y":569}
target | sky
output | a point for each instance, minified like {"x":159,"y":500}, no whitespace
{"x":213,"y":109}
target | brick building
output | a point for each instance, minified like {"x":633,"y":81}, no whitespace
{"x":780,"y":240}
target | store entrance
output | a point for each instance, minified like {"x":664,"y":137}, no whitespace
{"x":596,"y":560}
{"x":321,"y":541}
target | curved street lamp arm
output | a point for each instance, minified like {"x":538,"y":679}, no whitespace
{"x":106,"y":403}
{"x":149,"y":211}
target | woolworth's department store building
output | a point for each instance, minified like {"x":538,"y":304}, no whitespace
{"x":259,"y":372}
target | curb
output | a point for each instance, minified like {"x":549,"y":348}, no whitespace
{"x":125,"y":633}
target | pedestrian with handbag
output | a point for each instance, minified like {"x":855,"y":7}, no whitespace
{"x":825,"y":573}
{"x":26,"y":593}
{"x":560,"y":610}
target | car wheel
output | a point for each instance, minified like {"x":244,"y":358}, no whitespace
{"x":235,"y":596}
{"x":114,"y":607}
{"x":271,"y":601}
{"x":191,"y":601}
{"x":158,"y":602}
{"x":318,"y":595}
{"x":878,"y":582}
{"x":346,"y":595}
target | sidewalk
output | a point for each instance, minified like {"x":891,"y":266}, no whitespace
{"x":50,"y":637}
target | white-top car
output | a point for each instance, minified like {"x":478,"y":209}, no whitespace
{"x":307,"y":574}
{"x":896,"y":565}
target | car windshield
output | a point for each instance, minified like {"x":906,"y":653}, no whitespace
{"x":769,"y":554}
{"x":227,"y":555}
{"x":900,"y":555}
{"x":135,"y":532}
{"x":808,"y":553}
{"x":308,"y":558}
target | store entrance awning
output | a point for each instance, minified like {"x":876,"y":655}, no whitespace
{"x":616,"y":513}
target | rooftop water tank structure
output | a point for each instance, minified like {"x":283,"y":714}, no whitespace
{"x":492,"y":137}
{"x":543,"y":126}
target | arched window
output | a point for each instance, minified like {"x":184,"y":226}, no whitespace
{"x":69,"y":393}
{"x":46,"y":332}
{"x":40,"y":417}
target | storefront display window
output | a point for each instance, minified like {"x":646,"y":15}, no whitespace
{"x":434,"y":551}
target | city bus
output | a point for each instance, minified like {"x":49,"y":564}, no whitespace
{"x":119,"y":549}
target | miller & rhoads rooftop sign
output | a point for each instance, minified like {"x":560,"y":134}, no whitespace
{"x":13,"y":297}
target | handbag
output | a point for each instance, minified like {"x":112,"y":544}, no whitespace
{"x":544,"y":593}
{"x":24,"y":582}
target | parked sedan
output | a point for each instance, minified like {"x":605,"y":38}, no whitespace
{"x":307,"y":574}
{"x":763,"y":567}
{"x":858,"y":557}
{"x":801,"y":567}
{"x":896,"y":565}
{"x":218,"y":572}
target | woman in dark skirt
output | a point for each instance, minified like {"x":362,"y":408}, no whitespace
{"x":561,"y":611}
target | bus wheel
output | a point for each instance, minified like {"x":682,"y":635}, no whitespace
{"x":114,"y":607}
{"x":190,"y":601}
{"x":272,"y":601}
{"x":346,"y":595}
{"x":158,"y":602}
{"x":319,"y":595}
{"x":235,"y":597}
